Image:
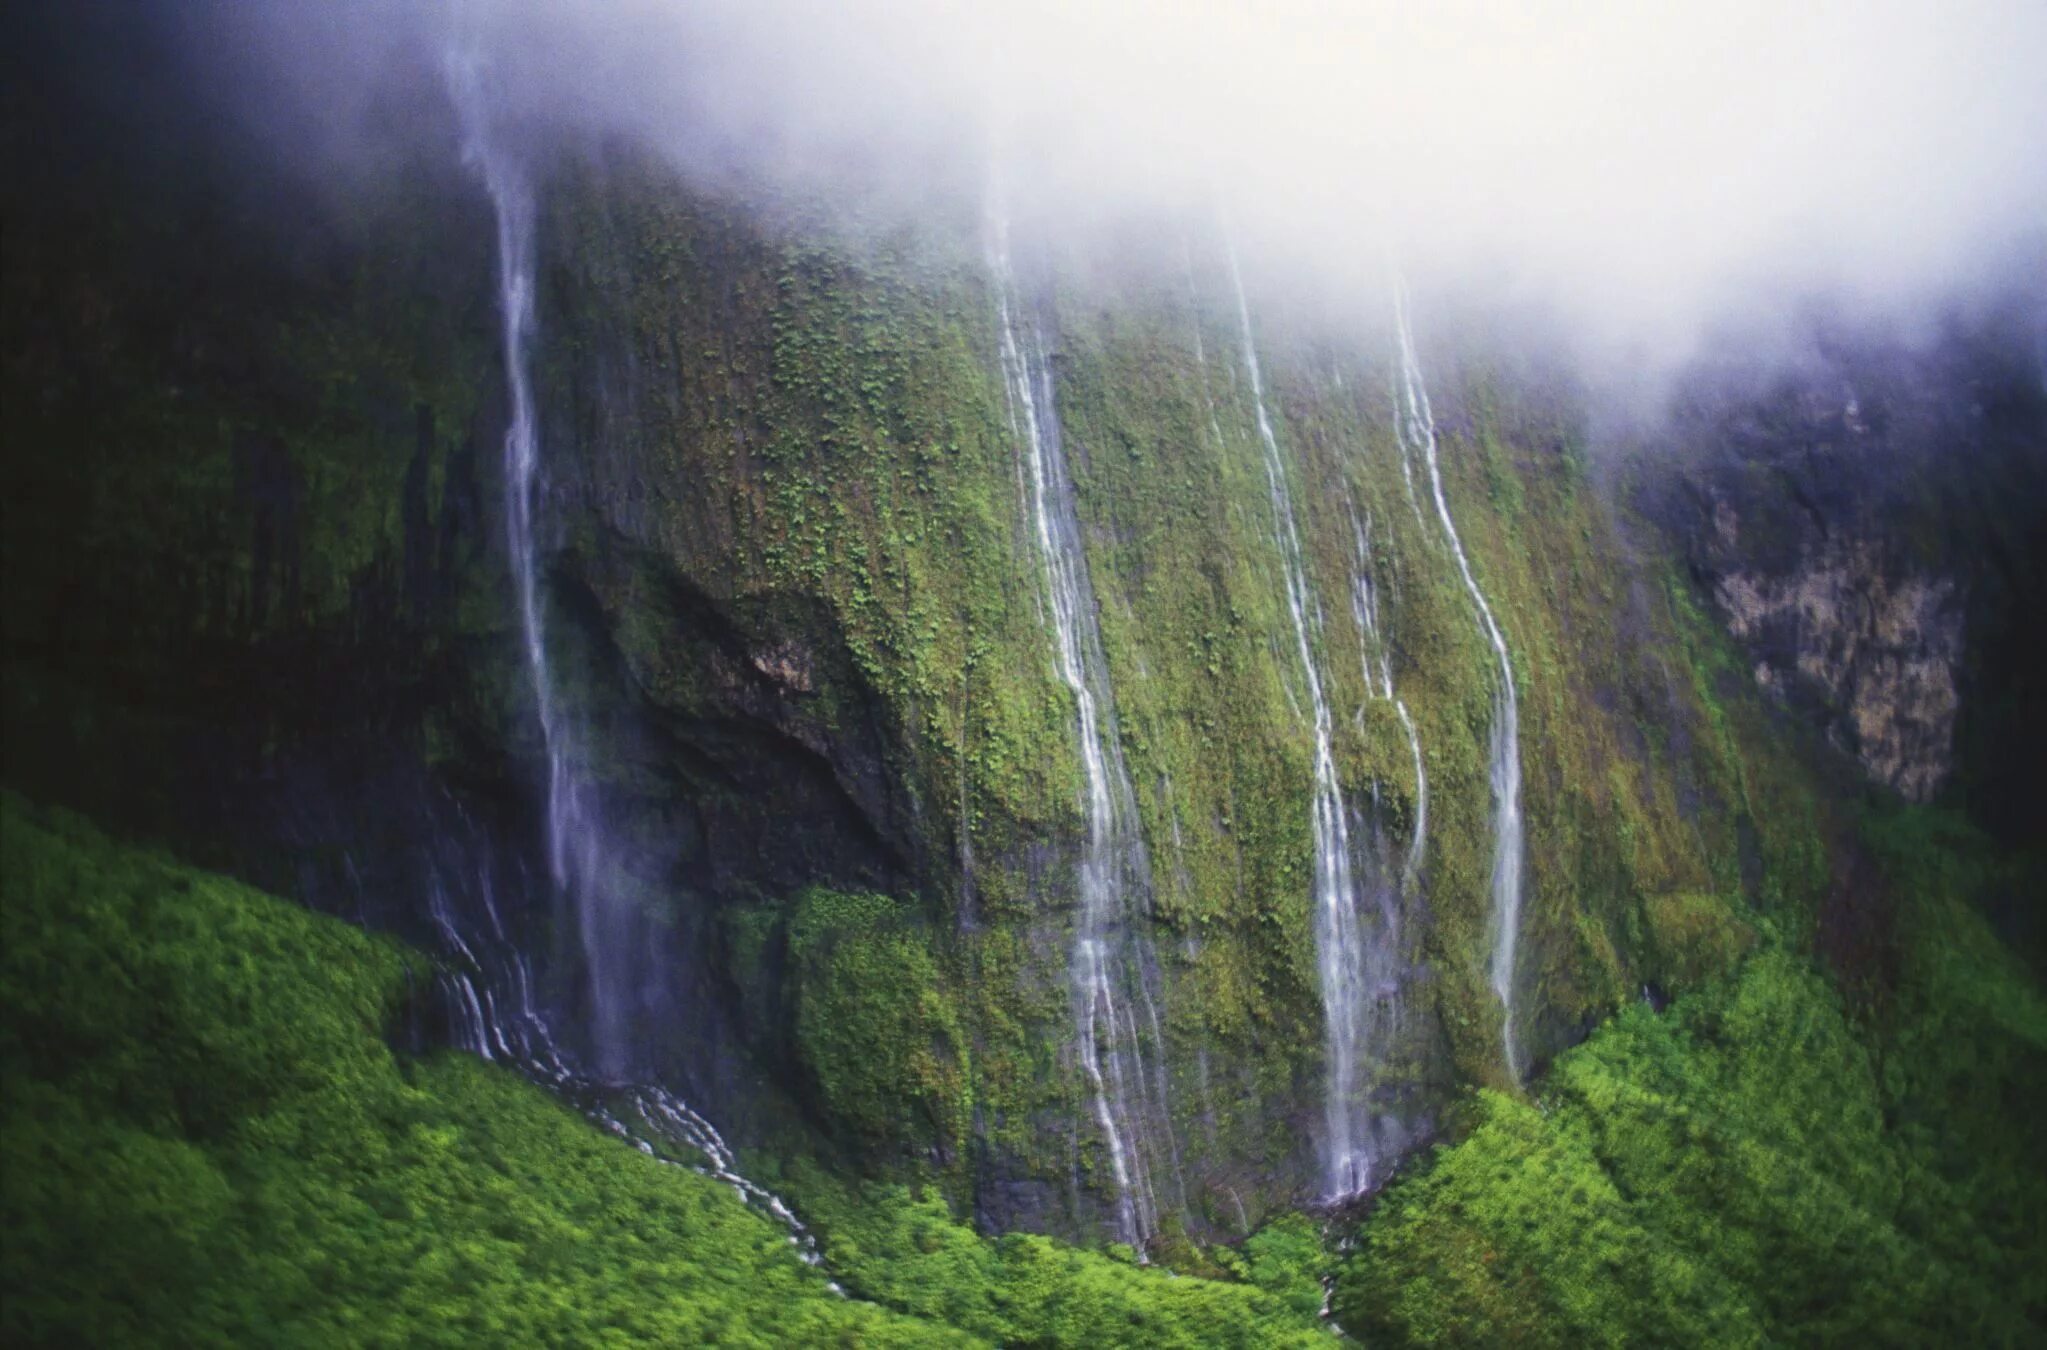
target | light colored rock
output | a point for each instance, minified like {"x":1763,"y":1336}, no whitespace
{"x":786,"y":664}
{"x":1879,"y":649}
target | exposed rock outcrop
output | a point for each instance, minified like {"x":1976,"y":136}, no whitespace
{"x":1867,"y":520}
{"x":1879,"y":653}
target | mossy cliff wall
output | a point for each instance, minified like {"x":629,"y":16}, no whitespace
{"x":255,"y":525}
{"x":786,"y":495}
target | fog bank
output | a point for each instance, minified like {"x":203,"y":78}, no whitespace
{"x":1641,"y":170}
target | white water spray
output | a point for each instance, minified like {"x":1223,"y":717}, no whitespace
{"x":1215,"y":429}
{"x":1115,"y":971}
{"x":1418,"y":435}
{"x":611,"y":928}
{"x":1417,"y":845}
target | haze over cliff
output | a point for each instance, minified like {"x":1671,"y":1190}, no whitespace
{"x":1639,"y":173}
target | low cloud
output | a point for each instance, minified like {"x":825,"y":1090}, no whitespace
{"x":1640,"y":170}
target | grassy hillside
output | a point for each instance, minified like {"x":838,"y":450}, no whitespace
{"x":209,"y":1140}
{"x":1758,"y":1164}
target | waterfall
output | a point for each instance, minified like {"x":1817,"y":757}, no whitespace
{"x":1114,"y":968}
{"x":1418,"y":436}
{"x":1417,"y":844}
{"x":488,"y":981}
{"x":1371,"y":645}
{"x":1373,"y":658}
{"x":1352,"y":1000}
{"x":615,"y":935}
{"x":1215,"y":429}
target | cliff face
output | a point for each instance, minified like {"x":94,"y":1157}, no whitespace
{"x":796,"y":598}
{"x":787,"y":491}
{"x":1879,"y":655}
{"x":1868,"y":521}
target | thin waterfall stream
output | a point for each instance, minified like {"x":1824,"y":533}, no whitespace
{"x":1418,"y":435}
{"x":608,"y":923}
{"x":1114,"y":966}
{"x":1339,"y":942}
{"x":489,"y":981}
{"x":1376,"y":662}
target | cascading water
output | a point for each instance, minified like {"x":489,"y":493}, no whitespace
{"x":1375,"y":659}
{"x":1417,"y":844}
{"x":1418,"y":435}
{"x":1115,"y":969}
{"x":1360,"y":982}
{"x":1215,"y":429}
{"x":613,"y":931}
{"x":488,"y":980}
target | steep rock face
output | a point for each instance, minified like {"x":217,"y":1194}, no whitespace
{"x":250,"y":483}
{"x":804,"y":432}
{"x":798,"y":619}
{"x":1868,"y":521}
{"x":1881,"y":656}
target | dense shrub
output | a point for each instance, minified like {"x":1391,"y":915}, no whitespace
{"x":207,"y":1140}
{"x":1755,"y":1166}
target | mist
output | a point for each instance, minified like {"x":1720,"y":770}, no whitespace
{"x":1641,"y":173}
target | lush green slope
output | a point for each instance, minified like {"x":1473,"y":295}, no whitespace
{"x":207,"y":1139}
{"x":907,"y":1252}
{"x":1757,"y":1165}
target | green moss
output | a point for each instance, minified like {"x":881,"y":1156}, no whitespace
{"x":877,"y":1025}
{"x":1692,"y":936}
{"x":781,"y":437}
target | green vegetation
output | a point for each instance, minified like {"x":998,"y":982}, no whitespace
{"x":876,"y":1025}
{"x":904,"y":1250}
{"x":208,"y":1140}
{"x":797,"y":603}
{"x":253,"y":576}
{"x":1757,"y":1165}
